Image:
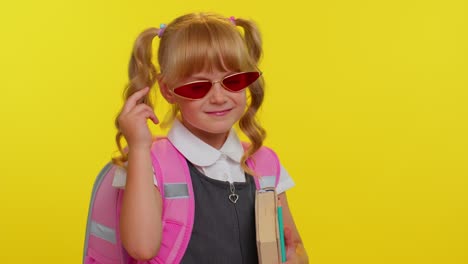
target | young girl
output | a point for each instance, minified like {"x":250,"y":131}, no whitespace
{"x":208,"y":73}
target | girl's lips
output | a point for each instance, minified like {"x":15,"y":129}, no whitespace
{"x":219,"y":113}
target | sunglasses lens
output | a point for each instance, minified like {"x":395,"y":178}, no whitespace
{"x":240,"y":81}
{"x":194,"y":90}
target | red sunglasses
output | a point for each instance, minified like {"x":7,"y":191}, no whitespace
{"x":234,"y":83}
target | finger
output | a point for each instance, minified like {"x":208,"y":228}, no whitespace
{"x":133,"y":99}
{"x":154,"y":118}
{"x":145,"y":111}
{"x":149,"y":114}
{"x":134,"y":113}
{"x":139,"y":108}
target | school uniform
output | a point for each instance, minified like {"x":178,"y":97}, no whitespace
{"x":223,"y":231}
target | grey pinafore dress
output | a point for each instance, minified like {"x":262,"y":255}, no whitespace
{"x":223,"y":232}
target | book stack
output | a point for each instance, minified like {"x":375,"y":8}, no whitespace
{"x":268,"y":227}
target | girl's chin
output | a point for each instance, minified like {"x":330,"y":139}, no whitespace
{"x":214,"y":128}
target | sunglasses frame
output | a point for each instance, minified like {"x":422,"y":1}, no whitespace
{"x":213,"y":83}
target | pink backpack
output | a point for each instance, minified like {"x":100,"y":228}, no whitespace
{"x":102,"y":240}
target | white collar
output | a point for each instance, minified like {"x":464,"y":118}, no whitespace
{"x":198,"y":152}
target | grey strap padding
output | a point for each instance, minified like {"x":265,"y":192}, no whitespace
{"x":176,"y":190}
{"x":103,"y":232}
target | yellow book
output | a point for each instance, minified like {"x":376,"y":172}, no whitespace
{"x":266,"y":219}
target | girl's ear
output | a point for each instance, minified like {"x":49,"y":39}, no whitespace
{"x":166,"y":93}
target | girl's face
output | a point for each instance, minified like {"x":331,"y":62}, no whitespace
{"x":211,"y":117}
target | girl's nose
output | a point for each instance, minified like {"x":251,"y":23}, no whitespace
{"x":218,"y":94}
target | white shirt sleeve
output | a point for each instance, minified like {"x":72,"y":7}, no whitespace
{"x":285,"y":181}
{"x":120,"y":178}
{"x":154,"y":178}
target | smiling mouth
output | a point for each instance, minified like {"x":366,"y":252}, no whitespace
{"x":219,"y":113}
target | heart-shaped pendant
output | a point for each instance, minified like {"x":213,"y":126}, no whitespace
{"x":233,"y":197}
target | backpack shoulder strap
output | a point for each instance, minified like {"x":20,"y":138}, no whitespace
{"x":266,"y":164}
{"x":175,"y":185}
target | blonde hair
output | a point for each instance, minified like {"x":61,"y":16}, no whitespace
{"x":190,"y":44}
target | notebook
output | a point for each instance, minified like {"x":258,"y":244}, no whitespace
{"x":266,"y":219}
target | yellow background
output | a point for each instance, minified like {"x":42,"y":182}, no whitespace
{"x":366,"y":106}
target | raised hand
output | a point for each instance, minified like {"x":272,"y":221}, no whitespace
{"x":133,"y":121}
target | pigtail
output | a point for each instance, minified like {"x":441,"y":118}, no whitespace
{"x":248,"y":122}
{"x":250,"y":125}
{"x":141,"y":73}
{"x":252,"y":38}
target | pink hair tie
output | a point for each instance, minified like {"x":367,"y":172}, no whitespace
{"x":233,"y":20}
{"x":161,"y":30}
